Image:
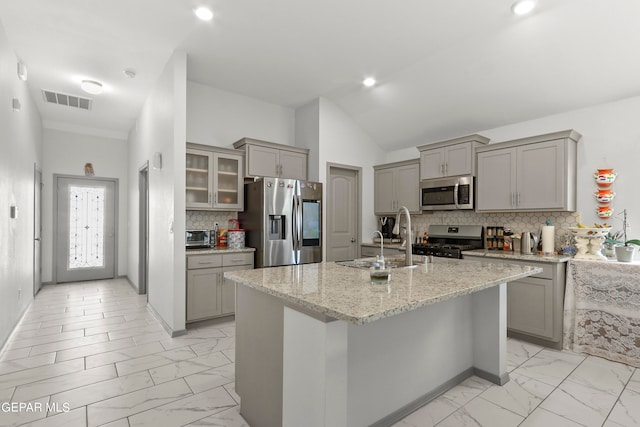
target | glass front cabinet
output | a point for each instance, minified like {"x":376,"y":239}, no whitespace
{"x":214,"y":179}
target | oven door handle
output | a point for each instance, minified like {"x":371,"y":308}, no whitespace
{"x":455,"y":193}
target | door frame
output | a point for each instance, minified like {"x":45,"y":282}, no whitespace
{"x":329,"y":218}
{"x":55,"y":219}
{"x":37,"y":221}
{"x":143,"y":229}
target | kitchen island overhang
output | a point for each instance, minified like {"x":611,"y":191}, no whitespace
{"x":317,"y":344}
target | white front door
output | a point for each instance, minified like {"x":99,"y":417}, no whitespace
{"x":85,"y":229}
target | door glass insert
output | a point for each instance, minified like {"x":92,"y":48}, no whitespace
{"x":86,"y":227}
{"x":228,"y":180}
{"x":197,"y":178}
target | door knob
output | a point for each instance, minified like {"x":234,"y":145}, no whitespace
{"x":353,"y":240}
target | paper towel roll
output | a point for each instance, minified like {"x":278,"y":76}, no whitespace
{"x":548,"y":238}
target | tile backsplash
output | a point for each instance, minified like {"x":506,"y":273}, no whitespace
{"x":205,"y":220}
{"x":517,"y":222}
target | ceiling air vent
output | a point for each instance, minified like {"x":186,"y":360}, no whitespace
{"x":66,"y":99}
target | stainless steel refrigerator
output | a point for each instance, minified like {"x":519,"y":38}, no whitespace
{"x":282,"y":219}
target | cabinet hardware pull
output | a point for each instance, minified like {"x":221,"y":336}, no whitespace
{"x":517,"y":199}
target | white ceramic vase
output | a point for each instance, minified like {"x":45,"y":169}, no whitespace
{"x":625,"y":253}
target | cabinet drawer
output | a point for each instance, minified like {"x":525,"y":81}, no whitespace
{"x":203,"y":261}
{"x":242,"y":258}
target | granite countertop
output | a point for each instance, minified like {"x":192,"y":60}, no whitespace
{"x":516,"y":255}
{"x":346,"y":293}
{"x":207,"y":251}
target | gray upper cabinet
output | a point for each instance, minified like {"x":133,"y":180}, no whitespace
{"x":529,"y":174}
{"x":450,"y":158}
{"x":214,"y":178}
{"x":264,"y":158}
{"x":396,"y":185}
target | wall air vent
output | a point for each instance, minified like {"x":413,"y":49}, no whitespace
{"x":67,"y":99}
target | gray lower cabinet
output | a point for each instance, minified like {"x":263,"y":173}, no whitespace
{"x":209,"y":295}
{"x":535,"y":304}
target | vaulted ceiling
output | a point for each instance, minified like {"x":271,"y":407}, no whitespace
{"x":444,"y":67}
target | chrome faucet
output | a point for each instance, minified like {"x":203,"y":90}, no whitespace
{"x":408,"y":260}
{"x":381,"y":257}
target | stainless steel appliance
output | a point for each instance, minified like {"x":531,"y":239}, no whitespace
{"x":451,"y":193}
{"x":450,"y":240}
{"x":197,"y":239}
{"x":528,"y":243}
{"x":283,"y":221}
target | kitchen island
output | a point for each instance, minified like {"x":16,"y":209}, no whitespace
{"x":318,"y":345}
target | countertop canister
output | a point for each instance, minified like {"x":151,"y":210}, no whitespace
{"x":235,"y":239}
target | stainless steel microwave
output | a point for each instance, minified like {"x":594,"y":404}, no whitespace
{"x":198,"y":239}
{"x":446,"y":194}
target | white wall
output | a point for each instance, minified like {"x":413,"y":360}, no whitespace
{"x":20,"y":150}
{"x":610,"y":138}
{"x":342,"y":141}
{"x":220,"y":118}
{"x":161,"y":127}
{"x":308,"y":135}
{"x":66,"y":153}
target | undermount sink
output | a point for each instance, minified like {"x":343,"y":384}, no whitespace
{"x":365,"y":263}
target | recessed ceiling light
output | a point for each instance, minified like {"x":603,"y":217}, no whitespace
{"x":369,"y":81}
{"x":522,"y":7}
{"x":204,"y":13}
{"x":91,"y":86}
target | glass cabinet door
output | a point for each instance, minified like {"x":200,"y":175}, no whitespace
{"x":198,"y":181}
{"x":228,"y":181}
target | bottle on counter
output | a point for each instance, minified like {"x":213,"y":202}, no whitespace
{"x":424,"y":237}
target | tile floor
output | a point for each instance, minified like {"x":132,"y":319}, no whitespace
{"x":91,"y":354}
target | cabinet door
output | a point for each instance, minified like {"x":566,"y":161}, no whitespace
{"x":262,"y":161}
{"x":458,"y":160}
{"x":431,"y":164}
{"x":530,"y":306}
{"x":384,"y":197}
{"x":293,"y":165}
{"x":496,"y":180}
{"x":228,"y":182}
{"x":228,"y":294}
{"x":203,"y":287}
{"x":407,"y":187}
{"x":541,"y":176}
{"x":198,"y":179}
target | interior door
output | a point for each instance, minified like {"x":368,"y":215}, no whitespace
{"x":37,"y":230}
{"x":342,"y":214}
{"x":85,"y":229}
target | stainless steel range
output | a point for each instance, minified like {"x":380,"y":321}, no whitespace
{"x":450,"y":240}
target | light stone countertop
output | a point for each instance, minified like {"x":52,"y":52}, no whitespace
{"x":516,"y":255}
{"x":346,"y":293}
{"x":208,"y":251}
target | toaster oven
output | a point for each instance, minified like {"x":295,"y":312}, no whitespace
{"x":198,"y":239}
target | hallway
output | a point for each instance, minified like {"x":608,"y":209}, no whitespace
{"x":90,"y":354}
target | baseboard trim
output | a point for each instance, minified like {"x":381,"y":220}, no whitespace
{"x":166,"y":327}
{"x":15,"y":327}
{"x":496,"y":379}
{"x":401,"y":413}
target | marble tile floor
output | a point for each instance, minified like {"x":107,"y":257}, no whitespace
{"x":91,"y":354}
